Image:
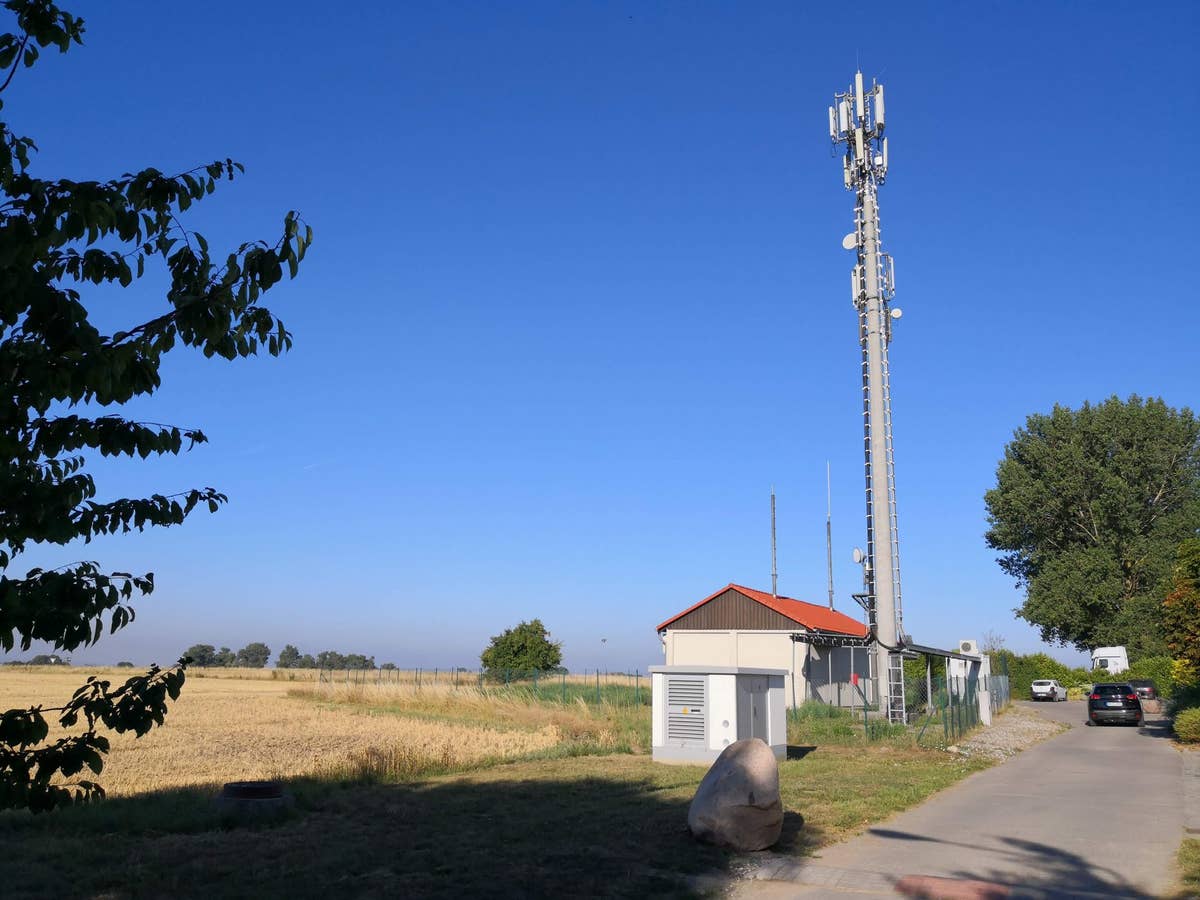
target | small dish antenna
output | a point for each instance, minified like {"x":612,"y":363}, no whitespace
{"x":850,"y":241}
{"x":896,"y":312}
{"x":858,"y":556}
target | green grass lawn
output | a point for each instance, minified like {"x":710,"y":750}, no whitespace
{"x":1189,"y":870}
{"x":608,"y":825}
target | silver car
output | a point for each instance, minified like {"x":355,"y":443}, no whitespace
{"x":1047,"y":689}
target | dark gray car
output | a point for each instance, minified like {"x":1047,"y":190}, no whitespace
{"x":1114,"y":702}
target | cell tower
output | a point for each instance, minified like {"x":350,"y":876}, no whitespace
{"x":857,"y":120}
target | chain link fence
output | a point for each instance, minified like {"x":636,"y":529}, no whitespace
{"x":943,"y":710}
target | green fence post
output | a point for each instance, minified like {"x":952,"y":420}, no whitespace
{"x":597,"y":685}
{"x":637,"y":688}
{"x":481,"y":679}
{"x":564,"y":687}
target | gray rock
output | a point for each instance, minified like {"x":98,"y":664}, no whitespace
{"x":737,"y":804}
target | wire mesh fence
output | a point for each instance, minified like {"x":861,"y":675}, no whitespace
{"x":590,"y":686}
{"x":943,"y":710}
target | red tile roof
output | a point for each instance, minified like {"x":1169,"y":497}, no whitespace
{"x":810,"y":615}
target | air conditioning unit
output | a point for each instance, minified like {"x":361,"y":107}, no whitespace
{"x":969,"y":647}
{"x":698,"y":711}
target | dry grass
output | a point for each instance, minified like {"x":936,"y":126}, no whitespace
{"x":225,"y":729}
{"x":392,"y":783}
{"x":605,"y":728}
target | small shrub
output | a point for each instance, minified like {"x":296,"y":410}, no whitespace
{"x":815,"y":709}
{"x":1186,"y":697}
{"x":1187,"y":725}
{"x":1184,"y":671}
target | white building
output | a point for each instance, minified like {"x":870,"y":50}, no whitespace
{"x":825,"y":652}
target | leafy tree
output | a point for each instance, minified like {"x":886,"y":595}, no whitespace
{"x":253,"y":655}
{"x":306,"y":662}
{"x":203,"y":655}
{"x":1181,"y":609}
{"x":390,"y":666}
{"x":527,"y":646}
{"x":289,"y":658}
{"x":225,"y":658}
{"x":46,"y":659}
{"x":358,"y":661}
{"x":124,"y":664}
{"x":56,"y":237}
{"x":330,"y":659}
{"x":1088,"y":508}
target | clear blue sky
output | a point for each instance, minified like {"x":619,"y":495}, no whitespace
{"x":577,"y":299}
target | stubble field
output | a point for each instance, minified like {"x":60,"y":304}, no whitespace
{"x":430,"y":791}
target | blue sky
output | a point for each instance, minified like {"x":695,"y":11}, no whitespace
{"x":577,"y":299}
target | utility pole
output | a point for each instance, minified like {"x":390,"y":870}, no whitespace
{"x":857,"y":120}
{"x":829,"y":533}
{"x":774,"y":569}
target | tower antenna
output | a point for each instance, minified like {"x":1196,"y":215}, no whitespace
{"x":774,"y":570}
{"x":829,"y":533}
{"x":857,"y":120}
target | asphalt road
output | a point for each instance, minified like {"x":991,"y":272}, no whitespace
{"x":1094,"y":812}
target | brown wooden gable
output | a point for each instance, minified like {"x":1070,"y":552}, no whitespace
{"x":733,"y":611}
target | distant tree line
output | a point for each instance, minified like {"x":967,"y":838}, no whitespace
{"x":291,"y":658}
{"x":253,"y":656}
{"x":42,"y":659}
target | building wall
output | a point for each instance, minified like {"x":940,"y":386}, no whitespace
{"x":815,"y":672}
{"x":828,"y":674}
{"x":732,"y":609}
{"x":758,"y":649}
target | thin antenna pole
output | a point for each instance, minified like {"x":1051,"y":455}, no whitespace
{"x":829,"y":533}
{"x":774,"y":570}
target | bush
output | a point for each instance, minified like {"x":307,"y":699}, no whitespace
{"x":1186,"y":697}
{"x":1158,"y":669}
{"x":1187,"y":725}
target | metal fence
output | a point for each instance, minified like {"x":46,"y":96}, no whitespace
{"x":946,"y":709}
{"x":589,"y":686}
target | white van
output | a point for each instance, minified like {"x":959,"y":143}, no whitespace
{"x":1109,"y":660}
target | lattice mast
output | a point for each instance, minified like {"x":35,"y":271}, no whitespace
{"x":857,"y":120}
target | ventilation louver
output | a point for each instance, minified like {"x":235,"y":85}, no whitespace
{"x":686,"y":709}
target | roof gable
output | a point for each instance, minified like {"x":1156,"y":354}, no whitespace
{"x":808,"y":615}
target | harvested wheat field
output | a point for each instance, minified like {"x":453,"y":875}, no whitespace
{"x":391,"y":781}
{"x":226,"y":729}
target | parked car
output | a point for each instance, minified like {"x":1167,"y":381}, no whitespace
{"x":1047,"y":689}
{"x":1145,"y":687}
{"x":1114,"y":702}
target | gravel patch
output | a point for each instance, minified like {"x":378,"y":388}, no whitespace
{"x":1010,"y":733}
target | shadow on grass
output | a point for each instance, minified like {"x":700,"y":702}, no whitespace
{"x":488,"y":836}
{"x":795,"y":752}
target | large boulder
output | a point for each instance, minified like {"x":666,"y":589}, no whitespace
{"x":737,"y":804}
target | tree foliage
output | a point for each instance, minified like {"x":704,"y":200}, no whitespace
{"x":61,"y":372}
{"x":253,"y":656}
{"x":331,"y":659}
{"x":288,"y":658}
{"x":1088,"y":508}
{"x":1181,"y":609}
{"x":203,"y":655}
{"x":527,"y":647}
